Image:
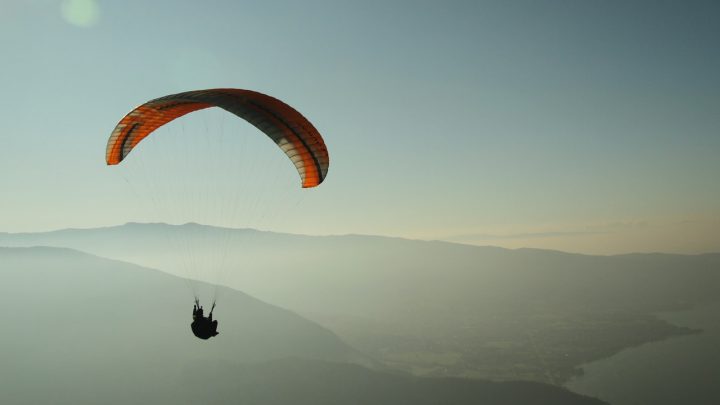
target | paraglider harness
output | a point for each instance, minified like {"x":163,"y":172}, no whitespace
{"x":202,"y":327}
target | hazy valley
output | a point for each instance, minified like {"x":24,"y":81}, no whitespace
{"x":432,"y":308}
{"x":85,"y":330}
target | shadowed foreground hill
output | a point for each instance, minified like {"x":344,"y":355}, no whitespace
{"x":76,"y":301}
{"x":74,"y":322}
{"x":78,"y":329}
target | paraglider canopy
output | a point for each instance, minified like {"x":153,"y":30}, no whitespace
{"x":292,"y":132}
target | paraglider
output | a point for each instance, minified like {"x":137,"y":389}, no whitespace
{"x":202,"y":327}
{"x":284,"y":125}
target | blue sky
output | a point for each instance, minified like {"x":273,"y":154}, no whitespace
{"x":588,"y":126}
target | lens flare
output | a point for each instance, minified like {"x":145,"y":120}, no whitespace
{"x":81,"y":13}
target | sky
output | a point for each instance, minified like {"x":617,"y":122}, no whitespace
{"x":582,"y":126}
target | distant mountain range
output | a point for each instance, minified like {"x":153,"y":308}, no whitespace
{"x":471,"y":311}
{"x":339,"y":273}
{"x":80,"y":329}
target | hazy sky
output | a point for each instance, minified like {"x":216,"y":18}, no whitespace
{"x":588,"y":126}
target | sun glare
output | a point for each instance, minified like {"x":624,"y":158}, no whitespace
{"x":81,"y":13}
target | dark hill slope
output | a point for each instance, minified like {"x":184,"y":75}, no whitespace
{"x":72,"y":306}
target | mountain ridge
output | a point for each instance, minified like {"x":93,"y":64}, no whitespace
{"x":342,"y":235}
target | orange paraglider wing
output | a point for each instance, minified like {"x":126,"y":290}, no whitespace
{"x":292,"y":132}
